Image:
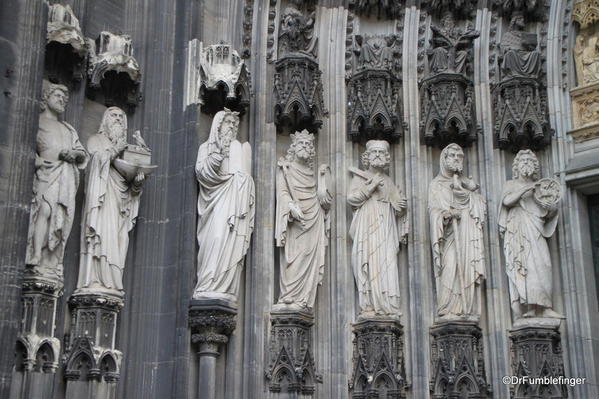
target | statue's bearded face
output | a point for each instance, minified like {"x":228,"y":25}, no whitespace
{"x":228,"y":131}
{"x":303,"y":149}
{"x":454,"y":160}
{"x":57,"y":101}
{"x":527,"y":165}
{"x":116,"y":124}
{"x":378,"y":157}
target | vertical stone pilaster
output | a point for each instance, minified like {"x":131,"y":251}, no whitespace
{"x":212,"y":321}
{"x":378,"y":365}
{"x":92,"y":363}
{"x":457,"y":361}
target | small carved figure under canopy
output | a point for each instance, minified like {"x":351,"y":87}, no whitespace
{"x":296,"y":32}
{"x":457,"y":213}
{"x":302,"y":223}
{"x":527,"y":218}
{"x":59,"y":157}
{"x":378,"y":227}
{"x":112,"y":197}
{"x":520,"y":56}
{"x":226,"y":208}
{"x":450,"y":46}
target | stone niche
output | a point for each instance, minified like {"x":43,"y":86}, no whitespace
{"x":113,"y":73}
{"x":374,"y":89}
{"x":521,"y":118}
{"x":447,"y":90}
{"x":66,"y":48}
{"x":585,"y":96}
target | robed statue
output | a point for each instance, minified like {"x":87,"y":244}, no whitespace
{"x":457,"y":213}
{"x":520,"y":56}
{"x":302,"y":223}
{"x":450,"y":46}
{"x":58,"y":159}
{"x":226,"y":208}
{"x":527,"y":218}
{"x":378,"y":227}
{"x":112,"y":194}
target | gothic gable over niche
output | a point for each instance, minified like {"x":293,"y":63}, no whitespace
{"x":66,"y":48}
{"x":113,"y":71}
{"x":447,"y":91}
{"x":374,"y":88}
{"x":298,"y":92}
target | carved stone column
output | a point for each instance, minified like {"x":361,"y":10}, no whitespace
{"x":457,"y":361}
{"x":38,"y":351}
{"x":212,"y":321}
{"x":537,"y":352}
{"x":291,"y":368}
{"x":378,"y":360}
{"x":92,"y":361}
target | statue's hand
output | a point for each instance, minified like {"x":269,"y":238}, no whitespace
{"x":296,"y":211}
{"x":139,"y":179}
{"x":403,"y":203}
{"x":324,"y":199}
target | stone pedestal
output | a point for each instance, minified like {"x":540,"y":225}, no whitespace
{"x":212,"y":321}
{"x":457,"y":361}
{"x":92,"y":362}
{"x":291,"y":368}
{"x":378,"y":360}
{"x":38,"y":351}
{"x":537,"y":353}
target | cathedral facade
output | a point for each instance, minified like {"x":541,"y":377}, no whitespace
{"x":328,"y":199}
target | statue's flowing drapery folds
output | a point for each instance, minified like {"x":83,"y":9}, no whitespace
{"x":226,"y":207}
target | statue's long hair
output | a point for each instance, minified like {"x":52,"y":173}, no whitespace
{"x":516,"y":168}
{"x":290,"y":157}
{"x":369,"y":144}
{"x":47,"y":89}
{"x":106,"y":131}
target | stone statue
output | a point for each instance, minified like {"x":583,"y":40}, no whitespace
{"x":378,"y":226}
{"x":527,"y":217}
{"x":302,"y":224}
{"x":296,"y":32}
{"x":520,"y":57}
{"x":586,"y":54}
{"x":457,"y":214}
{"x":450,"y":46}
{"x":376,"y":52}
{"x":226,"y":207}
{"x":59,"y":156}
{"x":112,"y":196}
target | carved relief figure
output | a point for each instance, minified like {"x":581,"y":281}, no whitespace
{"x":302,"y":224}
{"x":112,"y":196}
{"x":520,"y":56}
{"x":296,"y":30}
{"x":527,"y":218}
{"x":59,"y":157}
{"x":377,"y":52}
{"x":457,"y":214}
{"x":226,"y":207}
{"x":450,"y":46}
{"x":378,"y":226}
{"x":587,"y":57}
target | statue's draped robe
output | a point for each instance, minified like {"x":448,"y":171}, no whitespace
{"x":517,"y":59}
{"x":525,"y":228}
{"x":110,"y":211}
{"x":226,"y":208}
{"x":54,"y":183}
{"x":303,"y":245}
{"x":458,"y":248}
{"x":377,"y":228}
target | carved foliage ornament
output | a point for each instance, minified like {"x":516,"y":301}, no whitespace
{"x":114,"y":70}
{"x":374,"y":89}
{"x":298,"y":93}
{"x":378,"y":362}
{"x":381,"y":9}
